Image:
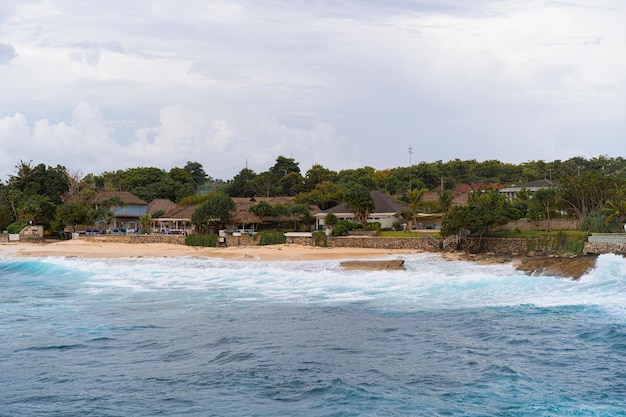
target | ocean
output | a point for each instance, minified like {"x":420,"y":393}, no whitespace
{"x":207,"y":337}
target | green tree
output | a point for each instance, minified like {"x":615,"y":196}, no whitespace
{"x":331,"y":220}
{"x":484,"y":210}
{"x":444,"y":200}
{"x":70,"y":214}
{"x":262,"y":209}
{"x":325,"y":195}
{"x":359,"y":201}
{"x":265,"y":184}
{"x":414,"y":199}
{"x":239,"y":185}
{"x":284,"y":166}
{"x":542,"y":201}
{"x":218,"y":210}
{"x":584,"y":193}
{"x":316,"y":175}
{"x":291,"y":184}
{"x":615,"y":208}
{"x":197,"y":172}
{"x":146,"y":222}
{"x":302,"y":212}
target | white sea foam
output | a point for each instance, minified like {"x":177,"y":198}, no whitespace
{"x":428,"y":282}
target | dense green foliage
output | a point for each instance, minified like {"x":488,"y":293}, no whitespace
{"x":484,"y":210}
{"x":218,"y":210}
{"x":344,"y":226}
{"x":582,"y":188}
{"x":360,"y":202}
{"x":271,"y":237}
{"x":205,"y":240}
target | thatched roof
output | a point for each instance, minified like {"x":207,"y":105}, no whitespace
{"x":160,"y":204}
{"x":125,"y":196}
{"x":241,"y":214}
{"x":180,"y":213}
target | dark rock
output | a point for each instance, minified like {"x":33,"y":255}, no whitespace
{"x":394,"y":265}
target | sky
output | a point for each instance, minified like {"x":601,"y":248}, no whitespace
{"x":99,"y":86}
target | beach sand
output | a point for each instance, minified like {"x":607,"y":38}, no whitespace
{"x":93,"y":249}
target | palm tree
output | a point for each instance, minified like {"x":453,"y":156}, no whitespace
{"x":616,"y":208}
{"x":444,"y":199}
{"x":24,"y":176}
{"x":414,"y":199}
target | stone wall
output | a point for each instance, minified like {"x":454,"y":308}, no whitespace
{"x":604,"y":247}
{"x":174,"y":239}
{"x":526,"y":224}
{"x":498,"y":246}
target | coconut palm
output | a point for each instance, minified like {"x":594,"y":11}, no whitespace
{"x":414,"y":199}
{"x":616,"y":208}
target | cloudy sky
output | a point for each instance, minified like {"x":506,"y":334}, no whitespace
{"x":105,"y":85}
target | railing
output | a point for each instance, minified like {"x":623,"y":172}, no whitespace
{"x":431,"y":240}
{"x":451,"y":240}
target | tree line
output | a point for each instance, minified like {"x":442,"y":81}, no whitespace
{"x":590,"y":190}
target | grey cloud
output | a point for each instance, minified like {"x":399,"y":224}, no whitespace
{"x":7,"y":53}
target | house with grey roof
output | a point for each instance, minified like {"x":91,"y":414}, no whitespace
{"x":386,"y":211}
{"x":532,"y":186}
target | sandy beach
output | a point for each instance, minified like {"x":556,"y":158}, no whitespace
{"x":89,"y":249}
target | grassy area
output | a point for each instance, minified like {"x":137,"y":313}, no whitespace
{"x":401,"y":233}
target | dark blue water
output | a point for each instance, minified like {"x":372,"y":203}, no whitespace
{"x":194,"y":337}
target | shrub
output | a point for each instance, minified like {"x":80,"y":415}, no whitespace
{"x":344,"y":226}
{"x":373,"y":226}
{"x":209,"y":240}
{"x":320,"y":239}
{"x":271,"y":237}
{"x":15,"y":228}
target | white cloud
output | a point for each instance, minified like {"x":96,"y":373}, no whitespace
{"x":159,"y":83}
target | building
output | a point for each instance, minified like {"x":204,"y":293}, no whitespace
{"x":127,"y":210}
{"x":386,"y":211}
{"x":532,"y":187}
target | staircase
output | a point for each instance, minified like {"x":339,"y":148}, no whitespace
{"x":431,"y":240}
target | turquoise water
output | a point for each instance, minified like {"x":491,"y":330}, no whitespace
{"x":203,"y":337}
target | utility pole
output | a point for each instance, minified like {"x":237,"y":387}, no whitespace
{"x":410,"y":167}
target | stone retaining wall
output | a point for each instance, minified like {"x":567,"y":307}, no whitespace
{"x":498,"y":246}
{"x":526,"y":224}
{"x":604,"y":247}
{"x":174,"y":239}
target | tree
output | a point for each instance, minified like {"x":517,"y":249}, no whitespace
{"x":146,"y":222}
{"x":484,"y":210}
{"x":218,"y":210}
{"x":584,"y":193}
{"x":265,"y":184}
{"x":325,"y":195}
{"x":291,"y":184}
{"x":281,"y":211}
{"x":70,"y":214}
{"x":284,"y":166}
{"x":444,"y":200}
{"x":360,"y":202}
{"x":331,"y":220}
{"x":615,"y":208}
{"x":262,"y":209}
{"x":316,"y":175}
{"x":302,"y":212}
{"x":196,"y":171}
{"x":414,"y":199}
{"x":24,"y":176}
{"x":541,"y":202}
{"x":239,"y":185}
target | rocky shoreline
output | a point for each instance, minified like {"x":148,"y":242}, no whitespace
{"x":572,"y":267}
